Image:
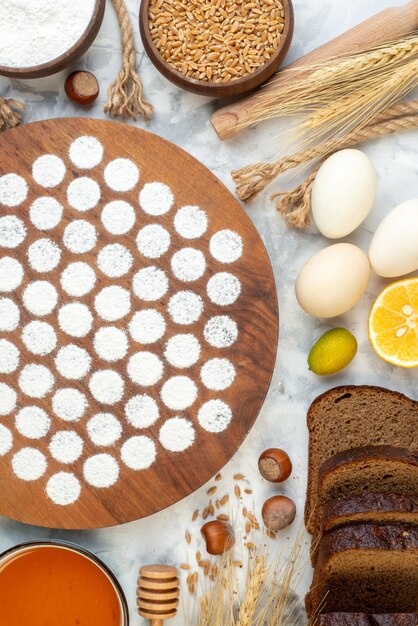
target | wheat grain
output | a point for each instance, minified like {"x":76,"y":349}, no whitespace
{"x":185,"y":34}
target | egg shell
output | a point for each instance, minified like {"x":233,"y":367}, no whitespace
{"x":343,"y":193}
{"x":394,"y":247}
{"x":333,"y":280}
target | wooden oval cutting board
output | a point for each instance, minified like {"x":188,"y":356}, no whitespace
{"x":109,"y":414}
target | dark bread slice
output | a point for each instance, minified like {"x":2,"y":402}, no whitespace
{"x":377,"y":508}
{"x":367,"y":568}
{"x":383,"y":469}
{"x":349,"y":417}
{"x":364,"y":619}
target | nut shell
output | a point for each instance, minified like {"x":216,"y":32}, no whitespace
{"x":82,"y":87}
{"x":278,"y":513}
{"x":219,"y":536}
{"x":275,"y":465}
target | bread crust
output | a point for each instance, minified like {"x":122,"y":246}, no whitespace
{"x":365,"y":619}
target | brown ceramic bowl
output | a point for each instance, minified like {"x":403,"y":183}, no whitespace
{"x":66,"y":59}
{"x":205,"y":88}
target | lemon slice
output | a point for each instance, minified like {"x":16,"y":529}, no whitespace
{"x":393,"y":323}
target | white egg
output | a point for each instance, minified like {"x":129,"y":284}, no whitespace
{"x":394,"y":247}
{"x":333,"y":280}
{"x":343,"y":193}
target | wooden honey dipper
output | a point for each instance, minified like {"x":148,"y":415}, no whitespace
{"x":158,"y":593}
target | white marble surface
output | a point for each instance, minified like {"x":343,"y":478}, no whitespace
{"x":183,"y":119}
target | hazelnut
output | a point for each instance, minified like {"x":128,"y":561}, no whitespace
{"x":219,"y":536}
{"x":274,"y":465}
{"x":278,"y":512}
{"x":82,"y":87}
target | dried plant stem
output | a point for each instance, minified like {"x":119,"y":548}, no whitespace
{"x":252,"y":179}
{"x":10,"y":113}
{"x":295,"y":205}
{"x":254,"y":591}
{"x":125,"y":94}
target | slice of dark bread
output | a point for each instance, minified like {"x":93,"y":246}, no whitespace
{"x":366,"y":568}
{"x":383,"y":469}
{"x":364,"y":619}
{"x":349,"y":417}
{"x":377,"y":508}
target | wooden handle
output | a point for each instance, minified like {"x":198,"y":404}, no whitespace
{"x":383,"y":27}
{"x":158,"y":593}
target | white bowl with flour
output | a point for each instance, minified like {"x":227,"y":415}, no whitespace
{"x":42,"y":37}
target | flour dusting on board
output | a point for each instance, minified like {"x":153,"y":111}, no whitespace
{"x":98,"y":342}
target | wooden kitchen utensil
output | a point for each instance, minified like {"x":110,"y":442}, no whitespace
{"x":383,"y":27}
{"x":158,"y":593}
{"x":121,"y":412}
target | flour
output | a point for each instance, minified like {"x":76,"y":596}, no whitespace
{"x":32,"y":422}
{"x":179,"y":392}
{"x":12,"y":231}
{"x":69,"y":404}
{"x":112,"y":303}
{"x":177,"y":434}
{"x":107,"y":386}
{"x":101,"y":471}
{"x":221,"y":331}
{"x":75,"y":319}
{"x":73,"y":362}
{"x":48,"y":171}
{"x":36,"y":32}
{"x":139,"y":452}
{"x":185,"y":307}
{"x":145,"y":368}
{"x":156,"y":199}
{"x":191,"y":222}
{"x":83,"y":194}
{"x":63,"y":488}
{"x":142,"y":411}
{"x":188,"y":264}
{"x":121,"y":175}
{"x":9,"y":357}
{"x":111,"y":343}
{"x":78,"y":279}
{"x":104,"y":429}
{"x":6,"y":440}
{"x":150,"y":284}
{"x":80,"y":236}
{"x":182,"y":351}
{"x":66,"y":446}
{"x":153,"y":241}
{"x":45,"y":213}
{"x":214,"y":416}
{"x":223,"y":288}
{"x":39,"y":338}
{"x":29,"y":464}
{"x":118,"y":217}
{"x":147,"y":326}
{"x":8,"y":399}
{"x":13,"y":188}
{"x":217,"y":374}
{"x":40,"y":297}
{"x":44,"y":255}
{"x":36,"y":381}
{"x":11,"y":274}
{"x":226,"y":246}
{"x":86,"y":152}
{"x":9,"y":315}
{"x":114,"y":260}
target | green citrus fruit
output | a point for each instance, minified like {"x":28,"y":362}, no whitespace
{"x":332,"y":352}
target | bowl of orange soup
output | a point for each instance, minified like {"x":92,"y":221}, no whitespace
{"x":58,"y":583}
